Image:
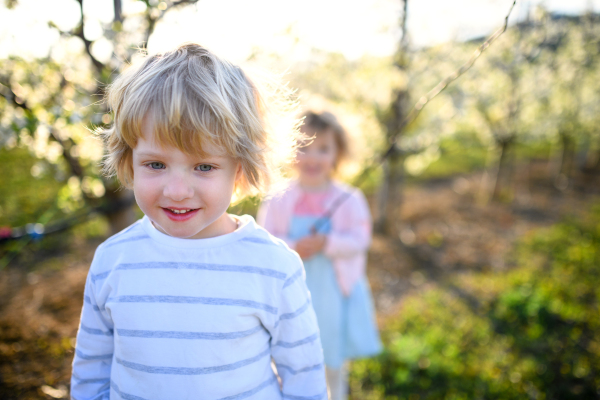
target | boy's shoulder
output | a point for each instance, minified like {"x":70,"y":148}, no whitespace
{"x":122,"y":241}
{"x":132,"y":232}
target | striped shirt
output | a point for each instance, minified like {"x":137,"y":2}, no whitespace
{"x":168,"y":318}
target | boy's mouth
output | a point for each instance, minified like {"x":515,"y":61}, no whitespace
{"x":180,"y":211}
{"x":179,"y":214}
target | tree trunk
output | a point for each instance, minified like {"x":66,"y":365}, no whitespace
{"x":382,"y":198}
{"x":567,"y":154}
{"x":390,"y":193}
{"x":393,"y":172}
{"x":592,"y":162}
{"x":567,"y":157}
{"x":118,"y":11}
{"x":119,"y":202}
{"x":590,"y":170}
{"x":503,"y":168}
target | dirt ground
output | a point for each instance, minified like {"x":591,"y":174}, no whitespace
{"x":443,"y":227}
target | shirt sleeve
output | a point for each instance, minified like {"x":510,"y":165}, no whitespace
{"x":296,"y":344}
{"x":266,"y":217}
{"x":355,"y":239}
{"x":90,"y":378}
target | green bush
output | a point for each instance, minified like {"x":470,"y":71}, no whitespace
{"x":532,"y":332}
{"x":25,"y":198}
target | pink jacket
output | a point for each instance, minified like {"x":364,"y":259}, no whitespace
{"x":350,"y":235}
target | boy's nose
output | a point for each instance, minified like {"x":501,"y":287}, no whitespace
{"x":178,"y":188}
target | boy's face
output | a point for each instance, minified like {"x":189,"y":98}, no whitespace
{"x":185,"y":196}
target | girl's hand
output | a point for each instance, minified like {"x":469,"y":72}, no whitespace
{"x":308,"y":246}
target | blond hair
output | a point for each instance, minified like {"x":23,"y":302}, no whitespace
{"x":318,"y":123}
{"x":194,"y":98}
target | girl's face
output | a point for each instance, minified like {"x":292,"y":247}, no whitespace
{"x":316,"y":162}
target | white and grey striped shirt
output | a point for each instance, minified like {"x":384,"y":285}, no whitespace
{"x":168,"y":318}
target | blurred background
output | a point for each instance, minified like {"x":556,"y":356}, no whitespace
{"x":485,"y":267}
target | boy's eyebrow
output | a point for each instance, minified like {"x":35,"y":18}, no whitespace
{"x":208,"y":157}
{"x":150,"y":154}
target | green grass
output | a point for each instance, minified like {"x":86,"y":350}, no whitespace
{"x":531,"y":332}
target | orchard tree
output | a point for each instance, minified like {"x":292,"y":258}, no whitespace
{"x":502,"y":93}
{"x":571,"y":99}
{"x":392,"y":120}
{"x":51,"y":104}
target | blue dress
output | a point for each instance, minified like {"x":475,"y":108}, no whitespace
{"x":347,"y":324}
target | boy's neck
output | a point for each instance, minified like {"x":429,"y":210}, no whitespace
{"x":224,"y":225}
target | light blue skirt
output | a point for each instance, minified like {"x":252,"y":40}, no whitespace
{"x":347,"y":324}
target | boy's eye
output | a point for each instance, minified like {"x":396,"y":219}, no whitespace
{"x":204,"y":167}
{"x":156,"y":165}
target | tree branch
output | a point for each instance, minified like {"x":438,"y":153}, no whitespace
{"x":118,"y":11}
{"x":153,"y":20}
{"x":78,"y":31}
{"x":9,"y":95}
{"x":66,"y":145}
{"x":440,"y":87}
{"x":498,"y":132}
{"x":418,"y":107}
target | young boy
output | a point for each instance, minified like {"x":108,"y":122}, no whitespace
{"x":191,"y":302}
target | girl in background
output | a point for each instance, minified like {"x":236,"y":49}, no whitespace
{"x":334,"y":250}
